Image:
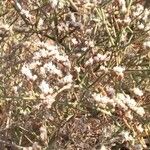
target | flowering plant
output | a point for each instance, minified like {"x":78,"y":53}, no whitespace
{"x":74,"y":74}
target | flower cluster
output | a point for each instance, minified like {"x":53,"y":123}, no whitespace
{"x":124,"y":102}
{"x":48,"y":69}
{"x":71,"y":67}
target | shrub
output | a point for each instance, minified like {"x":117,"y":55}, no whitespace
{"x":74,"y":74}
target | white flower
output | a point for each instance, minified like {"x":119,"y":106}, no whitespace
{"x":123,"y":9}
{"x":146,"y":44}
{"x":34,"y":64}
{"x":44,"y":87}
{"x":103,"y":68}
{"x":54,"y":3}
{"x":138,"y":92}
{"x":36,"y":55}
{"x":50,"y":67}
{"x":126,"y":135}
{"x":40,"y":23}
{"x":129,"y":115}
{"x":15,"y":88}
{"x":118,"y":69}
{"x":26,"y":71}
{"x":127,"y":20}
{"x":78,"y":69}
{"x":34,"y":77}
{"x":138,"y":10}
{"x":103,"y":147}
{"x":73,"y":18}
{"x":91,"y":43}
{"x":43,"y":53}
{"x":48,"y":100}
{"x":140,"y":128}
{"x":42,"y":71}
{"x":74,"y":41}
{"x":84,"y":48}
{"x":122,"y":4}
{"x":89,"y":62}
{"x":67,"y":78}
{"x":120,"y":100}
{"x":146,"y":14}
{"x":131,"y":103}
{"x":102,"y":99}
{"x":141,"y":26}
{"x":140,"y":111}
{"x":100,"y":57}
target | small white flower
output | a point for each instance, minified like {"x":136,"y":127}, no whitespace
{"x":138,"y":92}
{"x":49,"y":66}
{"x":84,"y":48}
{"x":140,"y":128}
{"x":103,"y":147}
{"x":34,"y":64}
{"x":103,"y":68}
{"x":43,"y":53}
{"x":129,"y":115}
{"x":42,"y":71}
{"x":138,"y":10}
{"x":26,"y":71}
{"x":127,"y":20}
{"x":49,"y":100}
{"x":146,"y":44}
{"x":78,"y":54}
{"x":96,"y":97}
{"x":91,"y":43}
{"x":40,"y":23}
{"x":140,"y":111}
{"x":34,"y":77}
{"x":120,"y":100}
{"x":123,"y":9}
{"x":78,"y":69}
{"x":37,"y":55}
{"x":146,"y":14}
{"x":44,"y":87}
{"x":102,"y":99}
{"x":74,"y":41}
{"x":122,"y":4}
{"x":110,"y":91}
{"x":73,"y":18}
{"x":100,"y":57}
{"x":141,"y":26}
{"x":67,"y":78}
{"x":15,"y":88}
{"x":126,"y":135}
{"x":89,"y":62}
{"x":119,"y":70}
{"x":54,"y":3}
{"x":130,"y":102}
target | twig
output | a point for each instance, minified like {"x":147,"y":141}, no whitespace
{"x":11,"y":145}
